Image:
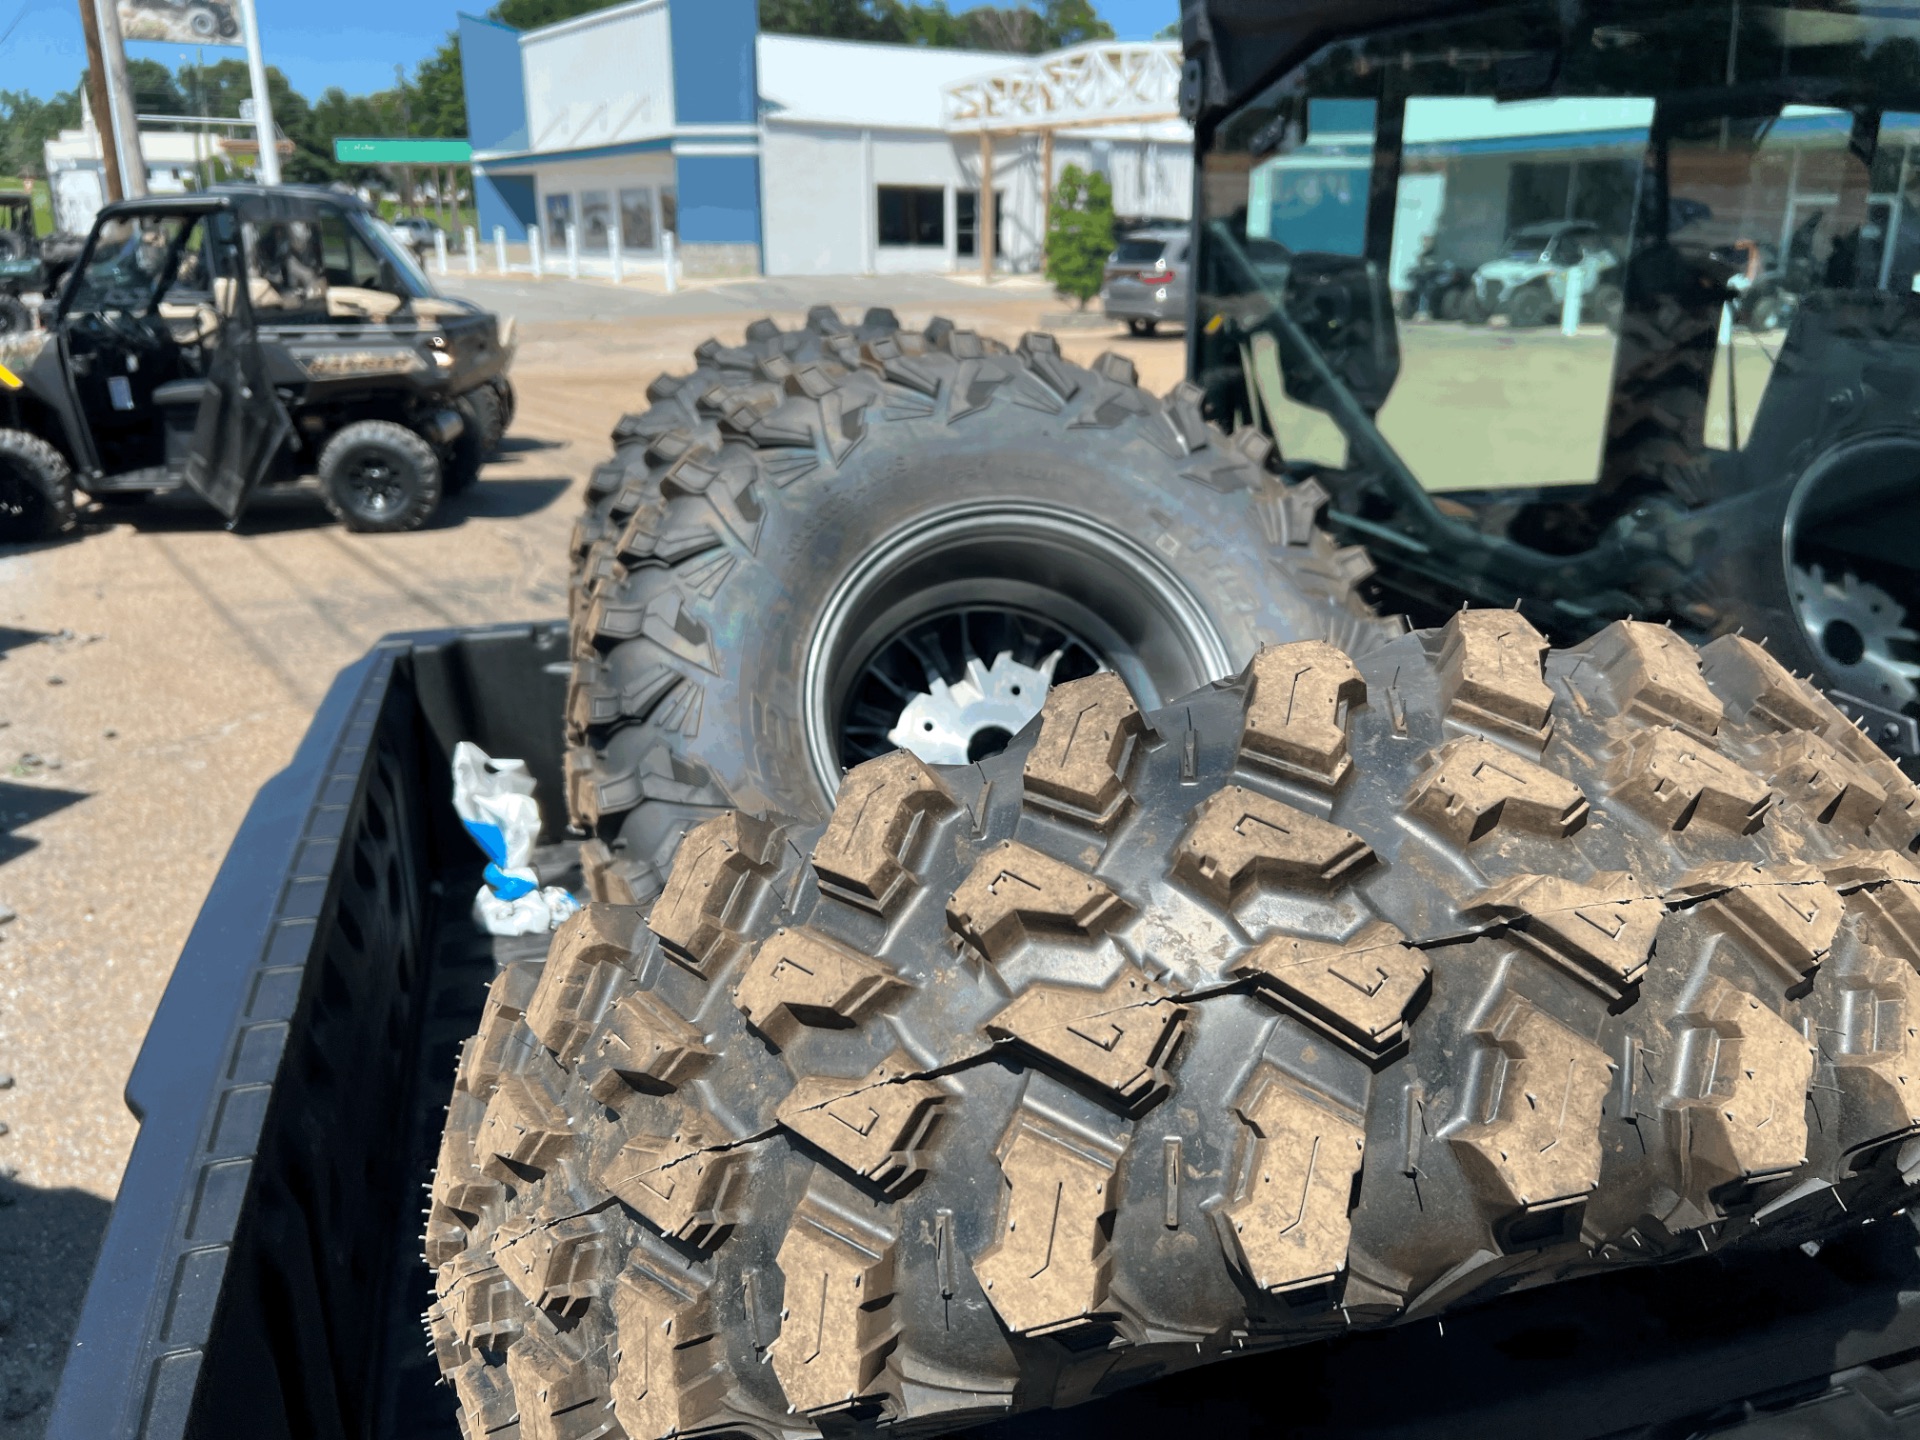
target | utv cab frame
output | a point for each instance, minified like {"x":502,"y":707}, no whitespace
{"x":247,"y":336}
{"x":1728,"y":440}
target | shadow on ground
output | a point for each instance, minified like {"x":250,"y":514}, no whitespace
{"x":48,"y":1239}
{"x":300,"y":506}
{"x":24,"y":804}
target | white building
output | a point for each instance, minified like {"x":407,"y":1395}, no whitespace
{"x":786,"y":155}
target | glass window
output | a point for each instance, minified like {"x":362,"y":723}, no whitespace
{"x":559,"y":216}
{"x":636,"y":219}
{"x":1139,"y":252}
{"x":131,"y":262}
{"x":347,"y":258}
{"x":966,"y":222}
{"x":914,"y":215}
{"x":596,"y":218}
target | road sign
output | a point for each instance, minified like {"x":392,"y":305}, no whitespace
{"x":368,"y":151}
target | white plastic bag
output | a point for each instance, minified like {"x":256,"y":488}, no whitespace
{"x":494,"y":800}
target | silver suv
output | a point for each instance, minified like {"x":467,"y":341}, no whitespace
{"x":1146,"y":280}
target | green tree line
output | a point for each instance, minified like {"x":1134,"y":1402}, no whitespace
{"x":432,"y":102}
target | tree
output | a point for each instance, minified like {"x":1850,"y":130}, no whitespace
{"x":27,"y":123}
{"x":1079,"y":233}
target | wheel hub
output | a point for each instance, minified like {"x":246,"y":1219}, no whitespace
{"x":964,"y":722}
{"x":1861,"y":634}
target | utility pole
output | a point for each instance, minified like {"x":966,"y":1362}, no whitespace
{"x":123,"y":113}
{"x":97,"y":98}
{"x":262,"y":105}
{"x":406,"y":128}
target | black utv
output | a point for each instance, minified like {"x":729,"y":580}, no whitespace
{"x":241,"y":337}
{"x":30,"y":263}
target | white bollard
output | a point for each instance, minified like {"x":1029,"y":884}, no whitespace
{"x":670,"y":260}
{"x":473,"y":251}
{"x":615,"y":260}
{"x":573,"y":251}
{"x":537,"y":253}
{"x":500,"y":248}
{"x":1570,"y":306}
{"x":440,"y":250}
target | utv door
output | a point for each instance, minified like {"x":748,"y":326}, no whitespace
{"x":241,"y":424}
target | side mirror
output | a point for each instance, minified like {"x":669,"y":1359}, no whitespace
{"x":1345,"y":308}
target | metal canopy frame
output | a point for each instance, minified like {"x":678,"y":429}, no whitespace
{"x":1104,"y":82}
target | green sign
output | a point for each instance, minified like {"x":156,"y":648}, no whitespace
{"x":362,"y":150}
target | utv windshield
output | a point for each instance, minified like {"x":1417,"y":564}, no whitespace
{"x":1716,"y":213}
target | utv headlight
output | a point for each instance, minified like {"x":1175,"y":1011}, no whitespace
{"x":346,"y":364}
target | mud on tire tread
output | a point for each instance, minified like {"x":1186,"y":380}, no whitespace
{"x":678,"y":520}
{"x":966,"y":1103}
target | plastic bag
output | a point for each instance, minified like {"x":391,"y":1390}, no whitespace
{"x":494,"y":800}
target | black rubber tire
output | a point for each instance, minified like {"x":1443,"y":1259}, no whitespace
{"x":36,"y":489}
{"x":12,"y":246}
{"x":484,"y":410}
{"x":1453,"y":303}
{"x":411,"y":460}
{"x":503,"y":393}
{"x":1603,"y":306}
{"x":1473,"y":310}
{"x":15,"y":317}
{"x":1530,"y":307}
{"x":460,"y":467}
{"x":692,"y":628}
{"x":1335,"y":996}
{"x":647,"y":442}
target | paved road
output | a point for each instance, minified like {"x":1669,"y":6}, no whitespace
{"x":156,"y":669}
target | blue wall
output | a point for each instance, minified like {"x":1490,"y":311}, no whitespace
{"x":719,"y":199}
{"x":714,"y":82}
{"x":506,"y":201}
{"x":495,"y":84}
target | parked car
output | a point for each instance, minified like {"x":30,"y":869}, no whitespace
{"x":418,"y":232}
{"x":1527,"y":282}
{"x":1146,"y":280}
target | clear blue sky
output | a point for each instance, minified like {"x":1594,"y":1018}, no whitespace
{"x":350,"y":43}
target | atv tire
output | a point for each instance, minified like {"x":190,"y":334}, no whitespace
{"x":15,"y":317}
{"x":1530,"y":308}
{"x":467,"y":455}
{"x":720,"y":636}
{"x":493,"y":402}
{"x":36,"y":489}
{"x":1330,"y":997}
{"x":379,"y":477}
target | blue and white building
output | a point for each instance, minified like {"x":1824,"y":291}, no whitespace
{"x":774,"y":154}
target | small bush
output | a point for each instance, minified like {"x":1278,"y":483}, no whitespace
{"x":1079,"y":233}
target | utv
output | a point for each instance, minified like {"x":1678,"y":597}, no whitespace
{"x":29,"y":263}
{"x":1687,"y":468}
{"x":246,"y":336}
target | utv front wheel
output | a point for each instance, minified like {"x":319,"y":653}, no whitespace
{"x":36,"y":489}
{"x":1530,"y":308}
{"x":379,"y":476}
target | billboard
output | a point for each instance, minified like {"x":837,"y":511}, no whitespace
{"x":181,"y":22}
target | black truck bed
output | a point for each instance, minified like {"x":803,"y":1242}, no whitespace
{"x":261,"y":1274}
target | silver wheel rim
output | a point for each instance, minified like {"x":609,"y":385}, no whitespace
{"x":1112,"y":602}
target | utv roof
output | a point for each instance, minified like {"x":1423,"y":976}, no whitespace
{"x":251,"y":202}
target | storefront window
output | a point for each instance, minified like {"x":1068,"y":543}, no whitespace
{"x":636,"y":219}
{"x":596,"y":218}
{"x":914,"y":215}
{"x":559,"y":216}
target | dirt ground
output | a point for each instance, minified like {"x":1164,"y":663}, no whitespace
{"x":155,"y":670}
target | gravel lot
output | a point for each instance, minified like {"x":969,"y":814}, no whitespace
{"x":156,"y":669}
